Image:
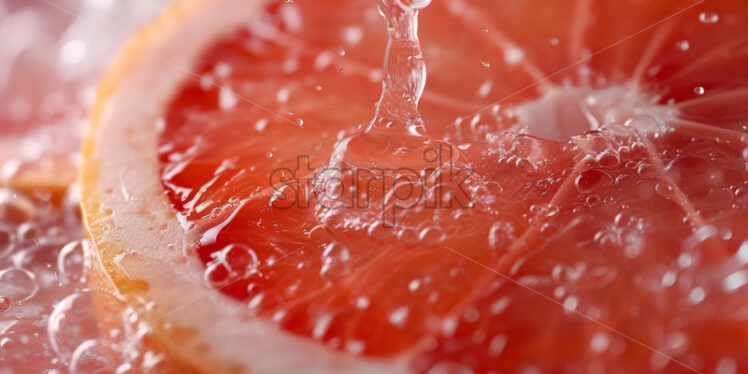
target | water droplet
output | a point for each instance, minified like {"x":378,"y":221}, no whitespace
{"x":399,"y":317}
{"x":665,"y":190}
{"x":363,"y":302}
{"x":726,"y":365}
{"x":320,"y":328}
{"x":282,"y":95}
{"x":335,"y":261}
{"x":735,"y":281}
{"x":485,"y":89}
{"x":227,"y":99}
{"x":15,"y":209}
{"x":73,"y":321}
{"x":697,"y":295}
{"x":708,"y":18}
{"x":497,"y":345}
{"x":222,"y":70}
{"x":513,"y":55}
{"x":4,"y":303}
{"x":485,"y":64}
{"x":355,"y":346}
{"x":352,"y":35}
{"x":414,"y":285}
{"x":261,"y":124}
{"x":669,"y":279}
{"x":699,"y":90}
{"x":600,"y":342}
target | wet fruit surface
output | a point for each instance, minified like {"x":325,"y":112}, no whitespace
{"x":609,"y":203}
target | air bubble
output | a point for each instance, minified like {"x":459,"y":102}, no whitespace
{"x":91,"y":358}
{"x":7,"y":241}
{"x":432,"y":236}
{"x":15,"y":208}
{"x":227,"y":100}
{"x":18,"y":284}
{"x":665,"y":190}
{"x":407,"y":236}
{"x":591,"y":179}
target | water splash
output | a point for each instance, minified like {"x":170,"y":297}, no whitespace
{"x":404,"y":69}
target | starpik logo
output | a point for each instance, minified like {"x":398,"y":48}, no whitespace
{"x":440,"y":184}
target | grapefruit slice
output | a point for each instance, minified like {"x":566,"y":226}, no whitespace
{"x":605,"y":225}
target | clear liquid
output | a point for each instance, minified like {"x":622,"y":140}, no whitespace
{"x":395,"y":145}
